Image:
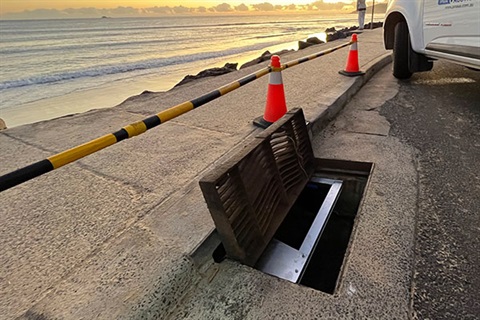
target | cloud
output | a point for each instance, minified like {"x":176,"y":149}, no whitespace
{"x":124,"y":11}
{"x":181,"y":9}
{"x":37,"y":14}
{"x":264,"y":6}
{"x":241,"y":7}
{"x":159,"y":10}
{"x":166,"y":10}
{"x":83,"y":11}
{"x":224,"y":7}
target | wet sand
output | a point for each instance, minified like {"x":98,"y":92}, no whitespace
{"x":112,"y":94}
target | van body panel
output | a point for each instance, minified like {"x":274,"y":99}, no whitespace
{"x":438,"y":29}
{"x":452,"y":23}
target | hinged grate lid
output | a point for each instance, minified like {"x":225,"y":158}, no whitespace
{"x":250,"y":194}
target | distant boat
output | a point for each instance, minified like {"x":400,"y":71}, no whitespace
{"x":105,"y":17}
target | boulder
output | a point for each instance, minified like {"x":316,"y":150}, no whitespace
{"x":3,"y":126}
{"x":212,"y":72}
{"x":231,"y":66}
{"x":332,"y":29}
{"x":340,"y":34}
{"x":303,"y":44}
{"x":265,"y":56}
{"x":279,"y":53}
{"x":375,"y":25}
{"x":315,"y":40}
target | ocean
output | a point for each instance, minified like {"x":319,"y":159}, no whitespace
{"x":51,"y":68}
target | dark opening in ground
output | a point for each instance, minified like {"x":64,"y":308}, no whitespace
{"x":326,"y":261}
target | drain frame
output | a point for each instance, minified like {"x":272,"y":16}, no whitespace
{"x":250,"y":196}
{"x":288,"y":263}
{"x":356,"y":178}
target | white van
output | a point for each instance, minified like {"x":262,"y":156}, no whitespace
{"x":420,"y":31}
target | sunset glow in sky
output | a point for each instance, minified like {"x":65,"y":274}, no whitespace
{"x":22,"y":5}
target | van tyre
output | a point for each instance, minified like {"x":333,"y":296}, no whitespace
{"x":401,"y":49}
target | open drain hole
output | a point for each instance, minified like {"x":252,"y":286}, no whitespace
{"x":323,"y":265}
{"x":326,"y":261}
{"x":316,"y":263}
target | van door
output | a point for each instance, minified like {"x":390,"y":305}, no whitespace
{"x":452,"y":27}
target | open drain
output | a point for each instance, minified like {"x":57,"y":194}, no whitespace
{"x":289,"y":252}
{"x":326,"y":259}
{"x":310,"y":245}
{"x":280,"y":210}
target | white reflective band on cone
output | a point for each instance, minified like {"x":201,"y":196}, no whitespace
{"x":275,"y":77}
{"x":354,"y":46}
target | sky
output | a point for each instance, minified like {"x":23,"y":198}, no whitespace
{"x":7,"y":6}
{"x":66,"y":9}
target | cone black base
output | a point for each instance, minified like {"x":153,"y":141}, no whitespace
{"x":262,"y":123}
{"x":351,"y":74}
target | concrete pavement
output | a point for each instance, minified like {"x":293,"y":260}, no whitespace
{"x":111,"y":236}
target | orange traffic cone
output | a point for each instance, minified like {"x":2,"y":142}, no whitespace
{"x":276,"y":106}
{"x":352,"y":68}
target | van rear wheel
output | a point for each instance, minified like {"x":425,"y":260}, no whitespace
{"x":401,"y":49}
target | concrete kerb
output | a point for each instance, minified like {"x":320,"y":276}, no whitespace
{"x":321,"y":120}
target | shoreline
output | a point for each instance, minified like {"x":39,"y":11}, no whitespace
{"x":106,"y":96}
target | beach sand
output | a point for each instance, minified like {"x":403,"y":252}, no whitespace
{"x":112,"y":94}
{"x":105,"y":96}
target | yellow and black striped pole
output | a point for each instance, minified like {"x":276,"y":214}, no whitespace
{"x":314,"y":56}
{"x":56,"y":161}
{"x":36,"y":169}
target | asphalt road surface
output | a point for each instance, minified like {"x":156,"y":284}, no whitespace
{"x":438,"y":114}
